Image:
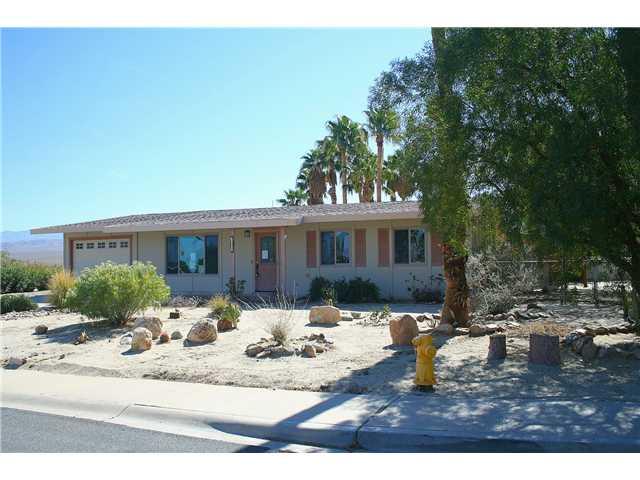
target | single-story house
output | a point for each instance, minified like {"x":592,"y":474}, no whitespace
{"x":280,"y":248}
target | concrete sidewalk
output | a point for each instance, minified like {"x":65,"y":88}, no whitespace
{"x":376,"y":423}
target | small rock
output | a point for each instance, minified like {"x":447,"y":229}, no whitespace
{"x":436,"y":316}
{"x":356,"y":315}
{"x":602,"y":331}
{"x":224,"y":325}
{"x":41,"y":329}
{"x":531,"y":306}
{"x":476,"y":330}
{"x":62,"y":355}
{"x":612,"y":330}
{"x":141,"y":339}
{"x":309,"y":350}
{"x":176,"y":335}
{"x":445,"y":329}
{"x":346,"y":318}
{"x":82,"y":338}
{"x":164,"y":338}
{"x":15,"y":362}
{"x":253,"y":350}
{"x":492,"y":328}
{"x":461,"y":331}
{"x":153,"y":324}
{"x":281,"y":351}
{"x":319,"y":349}
{"x":579,"y":344}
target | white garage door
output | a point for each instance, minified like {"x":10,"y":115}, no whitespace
{"x":88,"y":253}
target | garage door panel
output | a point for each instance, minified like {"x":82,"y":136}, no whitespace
{"x":89,"y":253}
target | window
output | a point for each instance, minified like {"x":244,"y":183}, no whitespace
{"x":335,"y":248}
{"x":79,"y":246}
{"x":113,"y":244}
{"x":192,"y":254}
{"x":90,"y":245}
{"x":101,"y":244}
{"x":409,"y":246}
{"x":124,"y":244}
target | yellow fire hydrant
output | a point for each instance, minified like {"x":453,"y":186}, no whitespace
{"x":425,"y":352}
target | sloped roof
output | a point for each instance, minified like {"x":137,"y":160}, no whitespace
{"x":244,"y":217}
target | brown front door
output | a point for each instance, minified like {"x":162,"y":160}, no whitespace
{"x":266,"y":262}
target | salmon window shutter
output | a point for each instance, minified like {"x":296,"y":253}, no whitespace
{"x":383,"y":247}
{"x":361,"y":248}
{"x":311,"y":249}
{"x":436,"y":250}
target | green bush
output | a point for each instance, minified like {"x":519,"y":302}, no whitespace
{"x":16,"y":303}
{"x":318,"y":286}
{"x":232,"y":313}
{"x":20,"y":276}
{"x":356,"y":290}
{"x":221,"y":307}
{"x":60,"y":284}
{"x":117,"y":292}
{"x":217,"y":304}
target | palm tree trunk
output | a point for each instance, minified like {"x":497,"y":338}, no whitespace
{"x":456,"y":300}
{"x":380,"y":144}
{"x":332,"y":183}
{"x":343,"y":176}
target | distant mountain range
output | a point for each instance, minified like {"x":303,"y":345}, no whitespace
{"x":46,"y":248}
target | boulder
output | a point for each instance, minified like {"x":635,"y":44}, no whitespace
{"x":203,"y":331}
{"x":324,"y":314}
{"x":403,"y":330}
{"x":281,"y":351}
{"x":612,"y":330}
{"x":476,"y":330}
{"x":141,"y":339}
{"x":309,"y":350}
{"x":177,"y":335}
{"x":153,"y":324}
{"x":492,"y":328}
{"x":589,"y":351}
{"x":445,"y":329}
{"x":225,"y":325}
{"x":41,"y":329}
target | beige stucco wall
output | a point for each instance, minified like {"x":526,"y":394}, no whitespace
{"x":293,"y":274}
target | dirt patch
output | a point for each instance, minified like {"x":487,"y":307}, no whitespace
{"x":361,"y":360}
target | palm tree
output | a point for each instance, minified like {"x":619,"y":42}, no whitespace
{"x":398,"y":176}
{"x":328,"y":151}
{"x":363,"y":175}
{"x":293,"y":198}
{"x":383,"y":124}
{"x":347,"y":136}
{"x":312,"y":177}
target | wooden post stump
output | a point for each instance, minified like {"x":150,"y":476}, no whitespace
{"x":544,"y":349}
{"x":497,"y":346}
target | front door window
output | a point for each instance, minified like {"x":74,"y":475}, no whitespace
{"x":267,"y":249}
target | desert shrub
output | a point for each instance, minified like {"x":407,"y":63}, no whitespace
{"x":16,"y":303}
{"x":117,"y":292}
{"x":235,"y":288}
{"x":232,"y":313}
{"x":218,"y":303}
{"x":421,"y":293}
{"x":495,"y":284}
{"x":60,"y":284}
{"x":356,"y":290}
{"x":318,"y":285}
{"x":281,"y":325}
{"x":20,"y":276}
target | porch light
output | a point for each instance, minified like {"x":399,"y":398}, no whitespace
{"x":232,"y":244}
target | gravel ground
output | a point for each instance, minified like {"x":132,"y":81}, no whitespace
{"x":362,"y":361}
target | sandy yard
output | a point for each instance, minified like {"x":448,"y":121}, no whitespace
{"x":362,"y":359}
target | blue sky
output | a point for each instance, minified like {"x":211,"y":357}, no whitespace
{"x":99,"y":123}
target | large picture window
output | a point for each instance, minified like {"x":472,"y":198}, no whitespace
{"x":335,"y":248}
{"x":409,"y":246}
{"x":192,"y":254}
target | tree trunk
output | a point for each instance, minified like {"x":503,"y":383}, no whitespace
{"x":332,"y":183}
{"x":497,"y":346}
{"x":343,"y":176}
{"x":544,"y":349}
{"x":380,"y":144}
{"x":456,"y":300}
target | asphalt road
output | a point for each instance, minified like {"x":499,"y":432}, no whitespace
{"x":25,"y":431}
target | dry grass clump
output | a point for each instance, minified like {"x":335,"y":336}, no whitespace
{"x":541,"y":327}
{"x":218,"y":304}
{"x":60,"y":285}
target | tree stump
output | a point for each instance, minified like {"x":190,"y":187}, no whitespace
{"x":544,"y":349}
{"x":497,"y":346}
